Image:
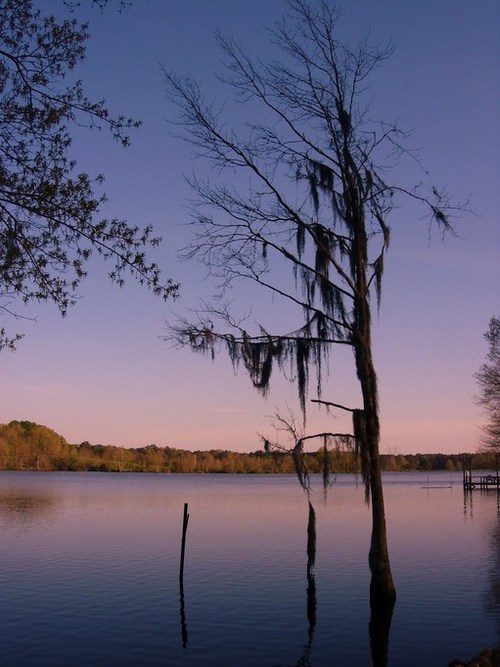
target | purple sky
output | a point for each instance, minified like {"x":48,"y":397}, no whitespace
{"x":104,"y":375}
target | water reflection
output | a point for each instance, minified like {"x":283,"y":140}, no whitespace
{"x":493,"y":599}
{"x":311,"y":604}
{"x":184,"y":630}
{"x":18,"y":509}
{"x":111,"y":559}
{"x":311,"y":583}
{"x":380,"y":617}
{"x":468,"y":504}
{"x":379,"y":630}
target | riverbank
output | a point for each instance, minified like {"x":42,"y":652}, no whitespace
{"x":487,"y":658}
{"x":25,"y":445}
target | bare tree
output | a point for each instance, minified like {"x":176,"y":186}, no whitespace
{"x":488,"y":382}
{"x":315,"y":198}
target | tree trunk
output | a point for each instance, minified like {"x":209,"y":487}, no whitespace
{"x":382,"y":589}
{"x":382,"y":586}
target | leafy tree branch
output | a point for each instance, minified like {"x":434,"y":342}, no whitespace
{"x":50,"y":222}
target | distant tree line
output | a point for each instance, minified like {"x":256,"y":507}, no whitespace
{"x":25,"y":445}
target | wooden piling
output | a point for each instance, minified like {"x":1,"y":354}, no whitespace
{"x":185,"y":521}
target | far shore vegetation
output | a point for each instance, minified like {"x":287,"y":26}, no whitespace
{"x":25,"y":445}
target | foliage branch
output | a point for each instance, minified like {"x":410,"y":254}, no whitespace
{"x":488,"y":382}
{"x":49,"y":214}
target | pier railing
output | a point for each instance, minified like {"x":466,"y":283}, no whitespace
{"x":485,"y":482}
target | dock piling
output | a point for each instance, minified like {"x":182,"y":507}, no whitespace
{"x":484,"y":482}
{"x":185,"y":521}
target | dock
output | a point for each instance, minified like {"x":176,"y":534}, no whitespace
{"x":487,"y":481}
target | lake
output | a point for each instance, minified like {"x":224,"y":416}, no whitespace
{"x":89,"y":571}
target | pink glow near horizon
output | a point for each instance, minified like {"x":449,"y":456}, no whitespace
{"x":103,"y":374}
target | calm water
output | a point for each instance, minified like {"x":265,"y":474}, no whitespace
{"x":89,"y":571}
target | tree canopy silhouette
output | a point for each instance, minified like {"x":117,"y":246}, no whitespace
{"x":49,"y":213}
{"x":488,"y":381}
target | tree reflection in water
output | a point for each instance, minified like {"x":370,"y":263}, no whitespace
{"x":381,"y":614}
{"x":379,"y":629}
{"x":23,"y":509}
{"x":493,"y":599}
{"x":311,"y":586}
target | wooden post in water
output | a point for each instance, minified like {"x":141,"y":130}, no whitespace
{"x":183,"y":543}
{"x":465,"y":476}
{"x":184,"y":632}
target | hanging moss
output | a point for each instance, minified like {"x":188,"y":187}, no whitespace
{"x":302,"y":362}
{"x":378,"y":270}
{"x":323,"y":175}
{"x":300,"y":469}
{"x":258,"y":357}
{"x":300,"y":238}
{"x":313,"y":191}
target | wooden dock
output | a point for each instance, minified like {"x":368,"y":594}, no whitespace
{"x":488,"y":481}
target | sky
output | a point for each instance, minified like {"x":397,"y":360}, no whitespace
{"x":104,"y":374}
